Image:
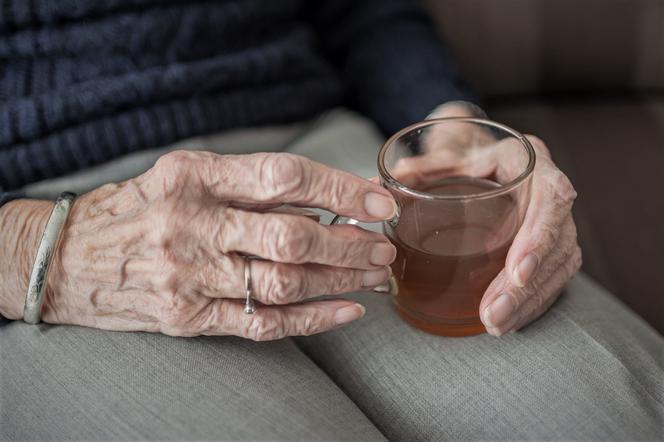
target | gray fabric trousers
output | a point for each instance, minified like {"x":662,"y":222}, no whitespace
{"x":589,"y":369}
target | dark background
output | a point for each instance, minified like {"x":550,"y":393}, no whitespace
{"x":587,"y":76}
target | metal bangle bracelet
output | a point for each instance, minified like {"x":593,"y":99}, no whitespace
{"x":49,"y":243}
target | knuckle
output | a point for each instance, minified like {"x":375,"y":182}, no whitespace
{"x":346,"y":283}
{"x":348,"y":255}
{"x":214,"y":225}
{"x":573,"y":230}
{"x":264,"y":328}
{"x":356,"y":234}
{"x":571,"y":266}
{"x":170,"y":173}
{"x":338,"y":195}
{"x":562,"y":187}
{"x":287,"y":241}
{"x":283,"y":285}
{"x":162,"y":225}
{"x":548,"y":233}
{"x":356,"y":246}
{"x":167,"y":271}
{"x":212,"y":319}
{"x":168,"y":220}
{"x":567,"y":253}
{"x":340,"y":192}
{"x":282,"y":174}
{"x":175,"y":163}
{"x":577,"y":259}
{"x":174,"y":316}
{"x":539,"y":145}
{"x":227,"y":229}
{"x":309,"y":324}
{"x":207,"y":277}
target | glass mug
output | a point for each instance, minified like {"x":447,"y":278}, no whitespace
{"x":462,"y":187}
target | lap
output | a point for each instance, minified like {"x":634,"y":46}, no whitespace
{"x":63,"y":383}
{"x":588,"y":369}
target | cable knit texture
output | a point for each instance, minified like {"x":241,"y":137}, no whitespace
{"x":82,"y":82}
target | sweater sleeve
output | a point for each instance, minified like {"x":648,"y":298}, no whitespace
{"x":397,"y":69}
{"x":6,"y":197}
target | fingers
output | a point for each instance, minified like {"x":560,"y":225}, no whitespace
{"x":552,"y":263}
{"x":293,"y":239}
{"x":501,"y":161}
{"x":506,"y":305}
{"x":267,"y":178}
{"x":544,"y":254}
{"x":278,"y":283}
{"x":227,"y":317}
{"x":550,"y":205}
{"x":454,"y":134}
{"x":534,"y":307}
{"x":419,"y":170}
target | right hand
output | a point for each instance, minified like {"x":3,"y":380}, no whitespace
{"x":159,"y":252}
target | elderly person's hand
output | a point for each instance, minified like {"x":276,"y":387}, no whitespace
{"x":544,"y":255}
{"x":162,"y":252}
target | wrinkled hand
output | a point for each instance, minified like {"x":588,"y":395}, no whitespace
{"x":544,"y":255}
{"x":160,"y":252}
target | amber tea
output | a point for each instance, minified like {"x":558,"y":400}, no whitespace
{"x":447,"y":258}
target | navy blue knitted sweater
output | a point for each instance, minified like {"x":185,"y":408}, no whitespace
{"x":84,"y":81}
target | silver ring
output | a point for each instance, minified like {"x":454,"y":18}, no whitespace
{"x":249,"y":307}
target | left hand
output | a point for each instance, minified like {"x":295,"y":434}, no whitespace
{"x":544,"y":255}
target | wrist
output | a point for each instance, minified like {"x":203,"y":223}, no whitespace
{"x":22,"y":224}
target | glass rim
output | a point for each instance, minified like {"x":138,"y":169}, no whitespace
{"x":502,"y":189}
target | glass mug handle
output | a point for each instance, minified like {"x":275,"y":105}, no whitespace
{"x":390,"y":286}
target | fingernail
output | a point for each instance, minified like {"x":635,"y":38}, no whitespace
{"x":498,"y":311}
{"x":372,"y":278}
{"x":382,"y":254}
{"x":348,"y":314}
{"x":525,"y":270}
{"x":494,"y":331}
{"x":505,"y":328}
{"x":379,"y":206}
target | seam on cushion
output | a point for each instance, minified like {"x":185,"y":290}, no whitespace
{"x":327,"y":374}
